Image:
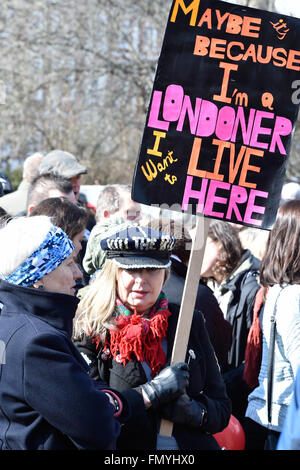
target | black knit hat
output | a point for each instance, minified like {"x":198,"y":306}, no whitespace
{"x":139,"y":247}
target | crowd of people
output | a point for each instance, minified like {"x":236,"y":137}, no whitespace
{"x":90,"y":302}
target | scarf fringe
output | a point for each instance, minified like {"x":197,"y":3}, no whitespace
{"x":141,"y":337}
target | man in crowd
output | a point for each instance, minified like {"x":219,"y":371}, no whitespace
{"x":114,"y":206}
{"x":14,"y":203}
{"x":47,"y":186}
{"x":65,"y":165}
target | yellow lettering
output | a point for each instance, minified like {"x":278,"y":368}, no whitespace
{"x":194,"y":7}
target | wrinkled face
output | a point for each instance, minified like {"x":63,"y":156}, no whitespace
{"x":210,"y":257}
{"x":62,"y":279}
{"x":139,"y":288}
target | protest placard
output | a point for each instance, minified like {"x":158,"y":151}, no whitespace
{"x":219,"y":125}
{"x":221,"y":114}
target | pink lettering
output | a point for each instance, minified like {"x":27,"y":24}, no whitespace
{"x":238,"y":196}
{"x":283,"y":126}
{"x":154,"y":113}
{"x":190,"y":193}
{"x":251,"y":207}
{"x":193,"y":115}
{"x":257,"y":129}
{"x":212,"y":198}
{"x":225,"y":123}
{"x":246,"y":130}
{"x":207,"y":119}
{"x":173,"y":102}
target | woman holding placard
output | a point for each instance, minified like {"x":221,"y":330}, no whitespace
{"x":125,"y":329}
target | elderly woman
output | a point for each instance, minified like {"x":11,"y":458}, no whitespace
{"x":125,"y":329}
{"x":47,"y":399}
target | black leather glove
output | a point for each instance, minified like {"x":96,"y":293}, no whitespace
{"x":167,"y":385}
{"x":185,"y":410}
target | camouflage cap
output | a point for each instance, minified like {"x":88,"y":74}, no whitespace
{"x":95,"y":257}
{"x":61,"y":163}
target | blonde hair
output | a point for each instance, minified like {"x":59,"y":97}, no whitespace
{"x":95,"y":311}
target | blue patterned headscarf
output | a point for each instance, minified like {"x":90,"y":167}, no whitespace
{"x":49,"y":255}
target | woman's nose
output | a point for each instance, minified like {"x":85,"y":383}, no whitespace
{"x":77,"y":274}
{"x":140,"y":276}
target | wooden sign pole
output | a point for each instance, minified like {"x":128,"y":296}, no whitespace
{"x":188,"y":303}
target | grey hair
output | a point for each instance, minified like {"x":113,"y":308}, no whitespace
{"x":42,"y":184}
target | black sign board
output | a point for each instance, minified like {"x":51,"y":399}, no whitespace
{"x":222,"y":113}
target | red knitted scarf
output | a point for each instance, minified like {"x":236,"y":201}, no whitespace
{"x":139,"y":336}
{"x":253,"y":352}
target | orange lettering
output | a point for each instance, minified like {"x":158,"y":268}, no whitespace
{"x":247,"y":167}
{"x":267,"y":58}
{"x":234,"y":166}
{"x":234,"y":24}
{"x":232,"y":44}
{"x":201,"y":45}
{"x":249,"y":27}
{"x":193,"y":171}
{"x":282,"y":60}
{"x":206,"y":18}
{"x":216,"y":49}
{"x":250,"y":52}
{"x":293,"y":62}
{"x":227,"y":69}
{"x":221,"y":19}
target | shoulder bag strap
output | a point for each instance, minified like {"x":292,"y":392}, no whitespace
{"x":271,"y":367}
{"x":271,"y":359}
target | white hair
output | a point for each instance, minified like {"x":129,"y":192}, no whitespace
{"x":31,"y":166}
{"x":19,"y":238}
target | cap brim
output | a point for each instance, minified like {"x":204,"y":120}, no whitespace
{"x":81,"y":170}
{"x":63,"y":172}
{"x":142,"y":262}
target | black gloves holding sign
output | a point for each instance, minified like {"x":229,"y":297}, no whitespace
{"x":166,"y":386}
{"x":167,"y":391}
{"x":185,"y":410}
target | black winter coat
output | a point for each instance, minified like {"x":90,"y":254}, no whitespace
{"x":206,"y":385}
{"x":47,"y":399}
{"x":219,"y":329}
{"x":244,"y":287}
{"x":241,"y":288}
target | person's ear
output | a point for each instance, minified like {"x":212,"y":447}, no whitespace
{"x":30,"y":209}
